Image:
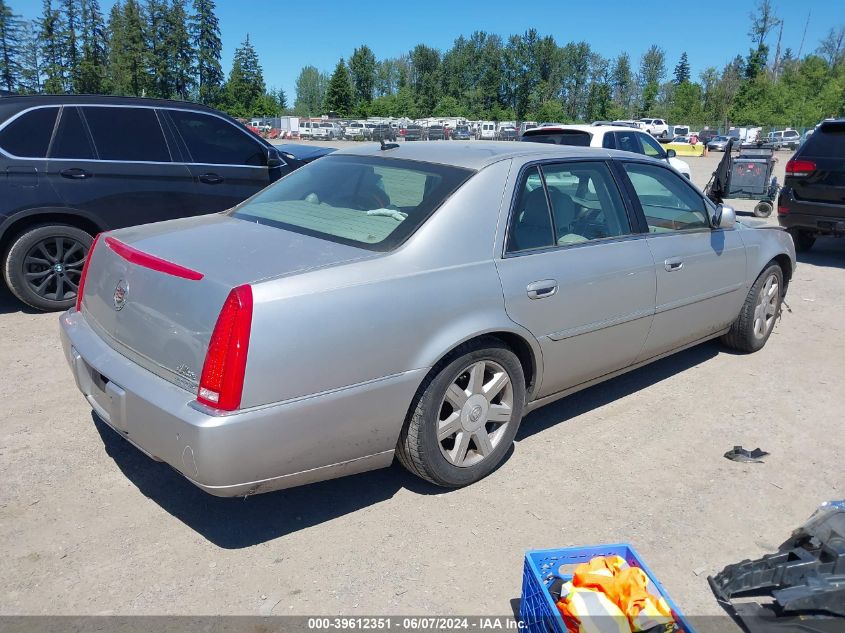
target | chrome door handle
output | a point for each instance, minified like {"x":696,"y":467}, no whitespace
{"x":211,"y":179}
{"x":671,"y":265}
{"x":75,"y":173}
{"x":541,"y":289}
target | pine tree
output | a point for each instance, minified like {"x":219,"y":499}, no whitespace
{"x":682,"y":71}
{"x":205,"y":31}
{"x":92,"y":65}
{"x":51,"y":48}
{"x":339,"y":98}
{"x":181,"y":51}
{"x":127,"y":50}
{"x":158,"y":52}
{"x":310,"y":90}
{"x":31,"y":60}
{"x":281,"y":98}
{"x":69,"y":37}
{"x":245,"y":85}
{"x":11,"y":43}
{"x":362,"y":67}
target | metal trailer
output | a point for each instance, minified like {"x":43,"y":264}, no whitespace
{"x":746,"y":176}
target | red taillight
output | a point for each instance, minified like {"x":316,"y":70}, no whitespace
{"x":152,"y":262}
{"x":799,"y":167}
{"x":81,"y":287}
{"x":783,"y":209}
{"x":222,"y":381}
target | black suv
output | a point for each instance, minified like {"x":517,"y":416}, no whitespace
{"x":78,"y":165}
{"x":812,"y":201}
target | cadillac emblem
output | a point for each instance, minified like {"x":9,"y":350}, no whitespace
{"x":120,"y":295}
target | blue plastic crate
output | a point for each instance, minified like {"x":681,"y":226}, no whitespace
{"x":537,"y":609}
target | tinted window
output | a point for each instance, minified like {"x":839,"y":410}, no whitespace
{"x":607,"y":142}
{"x":372,"y":203}
{"x":129,"y":134}
{"x":650,"y":146}
{"x":29,"y":135}
{"x":531,"y":222}
{"x":826,"y":142}
{"x":668,"y":203}
{"x":585,"y":202}
{"x":628,"y":142}
{"x":72,"y":139}
{"x":216,"y":141}
{"x":567,"y":137}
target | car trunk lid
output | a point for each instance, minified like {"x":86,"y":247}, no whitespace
{"x":154,"y":292}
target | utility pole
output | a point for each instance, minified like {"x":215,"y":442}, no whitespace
{"x":777,"y":53}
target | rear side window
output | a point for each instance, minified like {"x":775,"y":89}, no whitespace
{"x":215,"y":141}
{"x":628,"y":142}
{"x":72,"y":139}
{"x":826,"y":142}
{"x":531,"y":222}
{"x":28,"y":136}
{"x":127,"y":134}
{"x":567,"y":137}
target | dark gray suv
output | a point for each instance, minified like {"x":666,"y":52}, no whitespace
{"x":77,"y":165}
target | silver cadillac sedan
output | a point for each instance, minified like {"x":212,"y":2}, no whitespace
{"x":412,"y":300}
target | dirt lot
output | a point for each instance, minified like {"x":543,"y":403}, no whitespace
{"x":88,"y":525}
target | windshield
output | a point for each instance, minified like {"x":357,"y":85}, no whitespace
{"x":369,"y":202}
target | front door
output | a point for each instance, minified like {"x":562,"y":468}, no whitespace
{"x":576,"y":273}
{"x":700,"y":270}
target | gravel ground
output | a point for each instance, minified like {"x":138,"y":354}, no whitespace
{"x":88,"y":525}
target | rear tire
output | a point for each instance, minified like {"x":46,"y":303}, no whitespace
{"x":756,"y":320}
{"x":44,"y":264}
{"x":452,"y":444}
{"x":803,"y":240}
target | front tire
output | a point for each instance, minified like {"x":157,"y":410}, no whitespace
{"x":44,"y":264}
{"x":466,"y":416}
{"x":756,"y":320}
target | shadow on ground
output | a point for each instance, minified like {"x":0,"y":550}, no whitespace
{"x":827,"y":251}
{"x":10,"y":304}
{"x":238,"y":523}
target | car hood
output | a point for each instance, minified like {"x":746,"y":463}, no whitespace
{"x":304,"y":153}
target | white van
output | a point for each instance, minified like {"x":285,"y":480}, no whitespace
{"x":306,"y":129}
{"x":486,"y":131}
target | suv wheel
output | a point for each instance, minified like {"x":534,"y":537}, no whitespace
{"x":44,"y":264}
{"x":803,"y":240}
{"x":763,"y":209}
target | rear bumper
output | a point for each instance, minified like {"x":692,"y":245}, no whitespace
{"x":256,"y":450}
{"x":814,"y":217}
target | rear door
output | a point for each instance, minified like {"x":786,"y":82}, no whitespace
{"x":700,"y":271}
{"x":825,"y":183}
{"x":114,"y":163}
{"x":228,"y":162}
{"x":24,"y":141}
{"x":577,"y":272}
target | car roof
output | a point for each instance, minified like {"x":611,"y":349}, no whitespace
{"x":29,"y":101}
{"x":478,"y":154}
{"x":581,"y":127}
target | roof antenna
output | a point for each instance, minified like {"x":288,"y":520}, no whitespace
{"x":387,"y":146}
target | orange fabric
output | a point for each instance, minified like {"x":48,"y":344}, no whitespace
{"x":627,"y":597}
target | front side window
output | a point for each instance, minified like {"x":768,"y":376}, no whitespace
{"x":28,"y":136}
{"x":214,"y":141}
{"x":669,"y":204}
{"x":372,"y":203}
{"x":72,"y":139}
{"x":651,"y":147}
{"x":127,"y":134}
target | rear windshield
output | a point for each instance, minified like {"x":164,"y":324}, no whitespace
{"x":826,"y":142}
{"x":369,"y":202}
{"x":567,"y":137}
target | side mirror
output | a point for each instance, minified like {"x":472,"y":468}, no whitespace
{"x":273,"y":159}
{"x":670,"y":153}
{"x":724,"y":218}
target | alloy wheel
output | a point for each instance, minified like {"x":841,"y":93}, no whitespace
{"x":53,"y":267}
{"x":475,"y":413}
{"x":765,"y":312}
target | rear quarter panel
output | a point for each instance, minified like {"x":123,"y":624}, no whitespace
{"x":763,"y":244}
{"x":334,"y":328}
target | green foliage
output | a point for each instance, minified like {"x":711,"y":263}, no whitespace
{"x":362,"y":68}
{"x":51,"y":51}
{"x":91,"y":75}
{"x":310,"y":90}
{"x":682,"y":71}
{"x":245,"y":86}
{"x":127,"y":50}
{"x":205,"y":37}
{"x":11,"y":45}
{"x":339,"y":97}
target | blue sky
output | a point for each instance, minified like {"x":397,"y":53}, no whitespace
{"x":289,"y":36}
